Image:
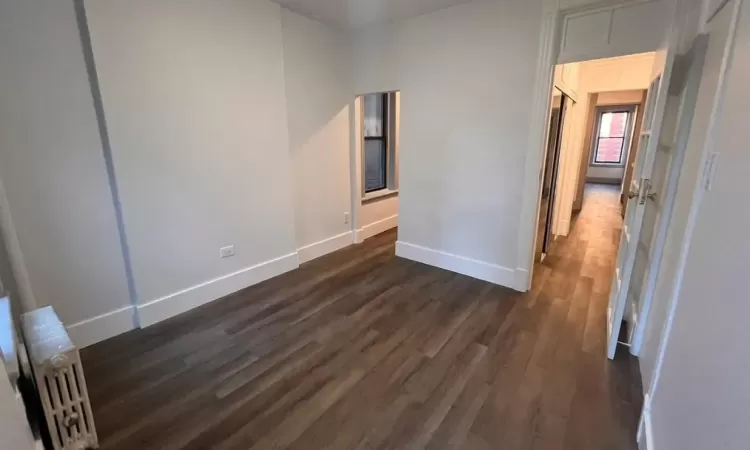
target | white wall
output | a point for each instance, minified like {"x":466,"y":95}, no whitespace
{"x":623,"y":73}
{"x":605,"y":174}
{"x":318,"y":95}
{"x":462,"y":153}
{"x":196,"y":100}
{"x":375,"y":59}
{"x":619,"y":98}
{"x":53,"y":170}
{"x":702,"y":399}
{"x":378,"y":215}
{"x":194,"y":96}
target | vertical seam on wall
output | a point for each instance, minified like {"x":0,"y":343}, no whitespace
{"x":88,"y":57}
{"x":292,"y":169}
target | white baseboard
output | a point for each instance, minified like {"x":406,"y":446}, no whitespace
{"x":192,"y":297}
{"x":565,"y":226}
{"x":318,"y":249}
{"x":562,"y":228}
{"x":102,"y":327}
{"x":459,"y":264}
{"x":522,"y":283}
{"x":375,"y":228}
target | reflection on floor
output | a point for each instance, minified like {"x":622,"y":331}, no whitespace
{"x":363,"y":350}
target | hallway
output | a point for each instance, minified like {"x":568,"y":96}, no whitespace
{"x":364,"y":350}
{"x":593,"y":238}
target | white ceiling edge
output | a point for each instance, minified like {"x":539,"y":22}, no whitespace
{"x":357,"y":14}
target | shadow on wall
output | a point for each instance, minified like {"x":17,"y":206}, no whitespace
{"x":7,"y":280}
{"x":321,"y":171}
{"x":318,"y":98}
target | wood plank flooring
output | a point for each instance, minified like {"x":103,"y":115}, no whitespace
{"x":364,"y":350}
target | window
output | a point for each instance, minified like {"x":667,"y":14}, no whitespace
{"x":612,"y":136}
{"x":376,"y":142}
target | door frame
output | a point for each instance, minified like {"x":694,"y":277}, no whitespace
{"x":549,"y":52}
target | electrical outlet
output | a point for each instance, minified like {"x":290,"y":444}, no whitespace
{"x":346,"y":217}
{"x":226,"y":252}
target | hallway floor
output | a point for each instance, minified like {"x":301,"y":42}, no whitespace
{"x":364,"y":350}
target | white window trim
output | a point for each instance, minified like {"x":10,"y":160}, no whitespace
{"x":370,"y":196}
{"x":392,"y":168}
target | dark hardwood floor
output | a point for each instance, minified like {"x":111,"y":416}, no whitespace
{"x":363,"y":350}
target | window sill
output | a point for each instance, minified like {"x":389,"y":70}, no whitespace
{"x":611,"y":165}
{"x":376,"y":195}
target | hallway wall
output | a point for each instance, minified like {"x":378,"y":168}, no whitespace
{"x":318,"y":98}
{"x":194,"y":96}
{"x":462,"y":156}
{"x":53,"y":170}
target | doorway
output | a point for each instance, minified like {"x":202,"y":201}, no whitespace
{"x":375,"y":168}
{"x":550,"y":173}
{"x":611,"y":124}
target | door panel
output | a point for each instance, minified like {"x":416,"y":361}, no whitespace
{"x":697,"y":103}
{"x":656,"y":107}
{"x":656,"y":187}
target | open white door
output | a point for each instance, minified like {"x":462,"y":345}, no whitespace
{"x":703,"y":68}
{"x":640,"y":187}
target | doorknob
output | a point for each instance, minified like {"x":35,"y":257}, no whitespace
{"x":651,"y":196}
{"x":632,"y":194}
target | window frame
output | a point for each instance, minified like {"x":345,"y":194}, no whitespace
{"x":384,"y":138}
{"x":627,"y":138}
